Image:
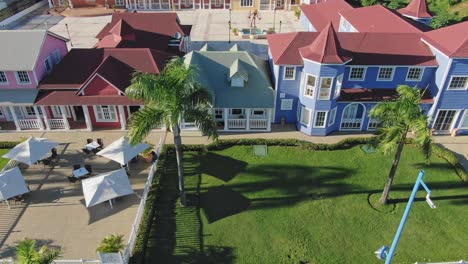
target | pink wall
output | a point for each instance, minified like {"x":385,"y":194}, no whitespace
{"x":99,"y":86}
{"x":12,"y":83}
{"x":50,"y":45}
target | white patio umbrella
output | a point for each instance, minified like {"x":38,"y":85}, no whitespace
{"x":105,"y":187}
{"x":31,"y":150}
{"x":12,"y":184}
{"x":122,"y":151}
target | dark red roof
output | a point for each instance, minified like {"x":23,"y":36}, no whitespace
{"x":322,"y":13}
{"x":116,"y":65}
{"x":325,"y":48}
{"x":70,"y":98}
{"x":378,"y":18}
{"x":375,"y":95}
{"x":416,"y":8}
{"x":363,"y":48}
{"x":451,"y":40}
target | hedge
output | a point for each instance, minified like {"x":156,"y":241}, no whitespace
{"x":450,"y":157}
{"x":8,"y":144}
{"x":139,"y":249}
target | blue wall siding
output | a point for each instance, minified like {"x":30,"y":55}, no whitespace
{"x":399,"y":78}
{"x":291,"y":90}
{"x":455,"y":99}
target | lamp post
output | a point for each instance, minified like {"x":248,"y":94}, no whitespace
{"x":69,"y":37}
{"x":274,"y":18}
{"x":229,"y":32}
{"x":281,"y":22}
{"x":383,"y":252}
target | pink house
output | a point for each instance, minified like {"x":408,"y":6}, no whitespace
{"x":27,"y":57}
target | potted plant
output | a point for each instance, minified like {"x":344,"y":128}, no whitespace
{"x":270,"y":31}
{"x":111,"y":244}
{"x":147,"y":154}
{"x":235,"y":31}
{"x":26,"y":252}
{"x":297,"y":12}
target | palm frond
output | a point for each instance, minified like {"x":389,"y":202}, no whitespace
{"x":143,"y":121}
{"x":204,"y":120}
{"x":197,"y":95}
{"x":146,"y":87}
{"x":423,"y":135}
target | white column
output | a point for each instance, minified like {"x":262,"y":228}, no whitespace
{"x":126,"y":4}
{"x":50,"y":3}
{"x":210,"y":5}
{"x":193,"y":4}
{"x":89,"y":124}
{"x":46,"y":118}
{"x":226,"y":113}
{"x":269,"y":119}
{"x":15,"y":118}
{"x":144,"y":4}
{"x":135,"y":4}
{"x":247,"y":114}
{"x":224,"y":4}
{"x":160,"y":6}
{"x":123,"y":120}
{"x":64,"y":117}
{"x":72,"y":111}
{"x":38,"y":117}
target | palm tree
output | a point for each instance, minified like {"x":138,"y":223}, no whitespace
{"x":111,"y":244}
{"x":170,"y":96}
{"x":27,"y":253}
{"x":397,"y":118}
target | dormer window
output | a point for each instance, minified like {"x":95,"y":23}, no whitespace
{"x":238,"y":75}
{"x":237,"y":82}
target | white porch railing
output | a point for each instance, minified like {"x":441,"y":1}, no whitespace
{"x":141,"y":208}
{"x":237,"y":123}
{"x":264,"y":6}
{"x":76,"y":261}
{"x":351,"y":123}
{"x":28,"y":124}
{"x":56,"y":124}
{"x":258,"y":123}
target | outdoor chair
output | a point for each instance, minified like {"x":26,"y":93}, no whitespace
{"x":96,"y":150}
{"x":72,"y":179}
{"x":47,"y":162}
{"x":54,"y":153}
{"x":100,"y":142}
{"x":76,"y":167}
{"x":89,"y":140}
{"x":85,"y":150}
{"x":89,"y":168}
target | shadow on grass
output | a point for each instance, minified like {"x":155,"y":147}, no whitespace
{"x":221,"y":202}
{"x":222,"y":167}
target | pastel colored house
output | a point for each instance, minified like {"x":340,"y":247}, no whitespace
{"x":26,"y":57}
{"x":239,"y":82}
{"x":329,"y":80}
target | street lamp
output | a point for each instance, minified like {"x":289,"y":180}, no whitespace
{"x":384,"y":253}
{"x":281,"y":22}
{"x":274,"y":18}
{"x":69,"y":37}
{"x":229,"y":32}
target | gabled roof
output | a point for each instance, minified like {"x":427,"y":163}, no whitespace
{"x":20,"y":49}
{"x":322,"y":13}
{"x":363,"y":48}
{"x":235,"y":47}
{"x":206,"y":47}
{"x":115,"y":72}
{"x":416,"y":8}
{"x":122,"y":28}
{"x":325,"y":48}
{"x":451,"y":40}
{"x":237,"y":68}
{"x":214,"y":70}
{"x":378,"y":18}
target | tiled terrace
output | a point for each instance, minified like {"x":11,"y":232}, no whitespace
{"x":55,"y":214}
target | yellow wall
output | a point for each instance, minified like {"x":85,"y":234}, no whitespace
{"x":235,"y":5}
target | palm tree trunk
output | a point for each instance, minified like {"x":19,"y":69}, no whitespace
{"x":391,"y":175}
{"x":180,"y":165}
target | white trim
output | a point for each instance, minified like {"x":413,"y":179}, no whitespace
{"x":57,"y":114}
{"x":18,"y":80}
{"x":102,"y":113}
{"x":92,"y":78}
{"x":240,"y":3}
{"x":465,"y":115}
{"x":432,"y":46}
{"x":363,"y":73}
{"x":362,"y":121}
{"x":6,"y":78}
{"x":335,"y":95}
{"x":289,"y":100}
{"x":457,"y":89}
{"x":324,"y":119}
{"x":368,"y":123}
{"x":305,"y":86}
{"x":330,"y":89}
{"x":310,"y":116}
{"x":332,"y":114}
{"x":318,"y":63}
{"x":441,"y":88}
{"x":452,"y":125}
{"x":294,"y":73}
{"x":423,"y":69}
{"x":391,"y":76}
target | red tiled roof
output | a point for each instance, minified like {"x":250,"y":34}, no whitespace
{"x":325,"y":48}
{"x":416,"y":8}
{"x":375,"y":95}
{"x":378,"y":18}
{"x":451,"y":40}
{"x":323,"y":13}
{"x":70,"y":98}
{"x":363,"y":48}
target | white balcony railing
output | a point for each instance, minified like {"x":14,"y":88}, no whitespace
{"x":237,"y":123}
{"x":351,"y":123}
{"x":258,"y":123}
{"x":265,"y":6}
{"x":56,"y":124}
{"x":28,"y":124}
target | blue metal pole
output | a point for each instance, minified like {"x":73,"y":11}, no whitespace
{"x":391,"y":252}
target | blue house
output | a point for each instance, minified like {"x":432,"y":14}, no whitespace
{"x":328,"y":81}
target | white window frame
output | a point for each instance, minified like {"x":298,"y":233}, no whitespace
{"x":332,"y":117}
{"x":458,"y":89}
{"x":215,"y":114}
{"x":289,"y":78}
{"x":18,"y":77}
{"x":338,"y":85}
{"x":357,"y":67}
{"x":57,"y":112}
{"x":120,"y":2}
{"x":96,"y":113}
{"x":324,"y":119}
{"x":391,"y":75}
{"x":286,"y":102}
{"x":329,"y":89}
{"x":51,"y":64}
{"x":57,"y":56}
{"x":306,"y":85}
{"x":465,"y":116}
{"x":243,"y":3}
{"x":454,"y":121}
{"x":25,"y":111}
{"x":253,"y":110}
{"x":2,"y":73}
{"x":372,"y":121}
{"x":242,"y":112}
{"x":420,"y":75}
{"x":302,"y":114}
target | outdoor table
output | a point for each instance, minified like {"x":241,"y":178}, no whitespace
{"x":92,"y":145}
{"x":80,"y":172}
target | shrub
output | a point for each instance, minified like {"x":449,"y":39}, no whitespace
{"x":368,"y":2}
{"x":111,"y":244}
{"x":451,"y":159}
{"x":8,"y":144}
{"x":297,"y":12}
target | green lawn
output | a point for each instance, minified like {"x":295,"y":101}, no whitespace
{"x":3,"y":161}
{"x":297,"y":206}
